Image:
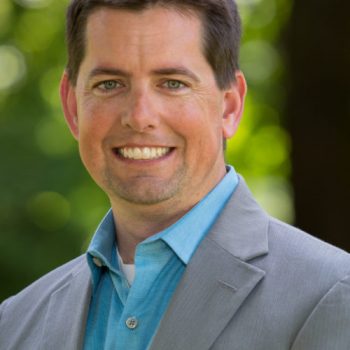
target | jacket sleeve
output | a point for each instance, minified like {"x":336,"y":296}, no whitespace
{"x":328,"y":326}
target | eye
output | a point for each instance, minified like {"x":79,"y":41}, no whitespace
{"x":109,"y":85}
{"x":174,"y":84}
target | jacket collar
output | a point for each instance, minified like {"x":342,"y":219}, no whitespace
{"x":242,"y":226}
{"x":67,"y":311}
{"x":218,"y":279}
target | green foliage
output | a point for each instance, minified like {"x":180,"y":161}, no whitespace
{"x":49,"y":207}
{"x":260,"y":150}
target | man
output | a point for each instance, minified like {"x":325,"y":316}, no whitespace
{"x":185,"y":259}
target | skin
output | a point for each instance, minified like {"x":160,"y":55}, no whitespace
{"x":145,"y":82}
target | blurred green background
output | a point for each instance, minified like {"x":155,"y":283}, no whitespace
{"x":49,"y":207}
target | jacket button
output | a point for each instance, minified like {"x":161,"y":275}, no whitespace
{"x":131,"y":322}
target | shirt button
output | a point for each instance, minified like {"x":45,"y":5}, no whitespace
{"x":97,"y":262}
{"x":131,"y":322}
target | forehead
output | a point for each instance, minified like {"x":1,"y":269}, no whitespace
{"x":147,"y":18}
{"x":154,"y":31}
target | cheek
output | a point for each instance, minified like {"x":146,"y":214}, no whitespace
{"x":95,"y":119}
{"x":198,"y":123}
{"x":91,"y":139}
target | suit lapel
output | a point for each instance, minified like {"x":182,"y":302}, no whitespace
{"x":218,"y":278}
{"x":67,"y":313}
{"x":207,"y":298}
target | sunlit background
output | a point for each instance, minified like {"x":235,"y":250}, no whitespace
{"x":49,"y":207}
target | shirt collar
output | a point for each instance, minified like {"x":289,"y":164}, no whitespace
{"x":103,"y":242}
{"x":184,"y":236}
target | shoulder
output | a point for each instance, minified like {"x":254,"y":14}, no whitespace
{"x":37,"y":294}
{"x":312,"y":274}
{"x":246,"y":231}
{"x":305,"y":293}
{"x":298,"y":247}
{"x":54,"y":278}
{"x":319,"y":274}
{"x":297,"y":265}
{"x":285,"y":244}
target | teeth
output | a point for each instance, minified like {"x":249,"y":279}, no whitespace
{"x":143,"y":152}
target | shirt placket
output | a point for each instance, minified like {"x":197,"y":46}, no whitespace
{"x":150,"y":259}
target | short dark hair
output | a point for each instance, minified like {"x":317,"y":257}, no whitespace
{"x":221,"y":28}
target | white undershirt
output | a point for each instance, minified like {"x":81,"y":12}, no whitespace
{"x":127,"y":269}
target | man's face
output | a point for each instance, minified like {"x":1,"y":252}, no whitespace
{"x":146,"y":109}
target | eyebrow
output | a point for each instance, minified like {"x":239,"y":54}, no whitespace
{"x":176,"y":71}
{"x":108,"y":71}
{"x":161,"y":71}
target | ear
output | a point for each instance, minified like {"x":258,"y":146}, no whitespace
{"x":69,"y":105}
{"x":234,"y":98}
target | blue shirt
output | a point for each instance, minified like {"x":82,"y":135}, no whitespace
{"x":124,"y":317}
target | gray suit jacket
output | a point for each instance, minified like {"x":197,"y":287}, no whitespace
{"x":253,"y":284}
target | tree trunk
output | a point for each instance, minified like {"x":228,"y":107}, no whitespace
{"x":318,"y":116}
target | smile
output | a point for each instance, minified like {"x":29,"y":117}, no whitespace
{"x":143,"y":153}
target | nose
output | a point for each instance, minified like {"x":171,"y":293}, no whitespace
{"x":140,"y":114}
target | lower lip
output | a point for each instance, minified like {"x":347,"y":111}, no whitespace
{"x":142,"y":161}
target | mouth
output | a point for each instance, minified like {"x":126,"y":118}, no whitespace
{"x":143,"y":153}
